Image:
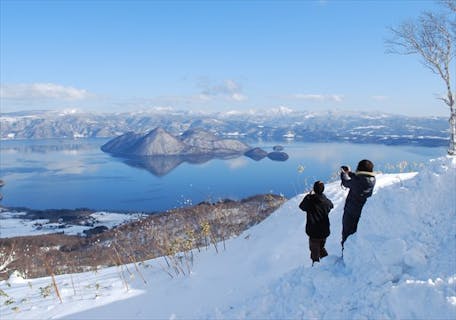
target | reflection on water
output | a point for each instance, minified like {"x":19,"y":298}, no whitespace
{"x":76,"y":173}
{"x":162,"y":165}
{"x":47,"y":146}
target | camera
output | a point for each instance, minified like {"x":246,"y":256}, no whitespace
{"x":344,"y":168}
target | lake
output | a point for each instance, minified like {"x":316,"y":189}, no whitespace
{"x":55,"y":174}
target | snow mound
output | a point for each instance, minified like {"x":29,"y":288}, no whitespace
{"x":400,"y":264}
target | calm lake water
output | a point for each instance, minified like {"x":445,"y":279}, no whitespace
{"x":72,"y":174}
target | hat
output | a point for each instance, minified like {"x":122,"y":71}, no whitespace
{"x":319,"y":187}
{"x":365,"y":165}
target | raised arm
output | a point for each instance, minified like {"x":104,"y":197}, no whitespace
{"x":304,"y":205}
{"x":346,"y":178}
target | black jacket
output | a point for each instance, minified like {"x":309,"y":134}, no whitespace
{"x":317,"y":207}
{"x":361,"y":186}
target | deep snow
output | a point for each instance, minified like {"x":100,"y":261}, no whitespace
{"x":400,"y":264}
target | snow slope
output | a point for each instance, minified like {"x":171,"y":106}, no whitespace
{"x":400,"y":264}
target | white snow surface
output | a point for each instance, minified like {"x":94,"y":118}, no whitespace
{"x":11,"y":225}
{"x":401,"y":264}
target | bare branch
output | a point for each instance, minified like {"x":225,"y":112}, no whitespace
{"x":450,"y":4}
{"x":432,"y":36}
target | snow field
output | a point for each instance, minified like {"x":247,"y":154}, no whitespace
{"x":12,"y":226}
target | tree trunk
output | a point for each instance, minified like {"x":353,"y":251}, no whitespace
{"x":452,"y":147}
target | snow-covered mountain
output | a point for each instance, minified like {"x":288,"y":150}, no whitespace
{"x":155,"y":142}
{"x":274,"y":125}
{"x":201,"y":141}
{"x":401,"y":264}
{"x":159,"y":142}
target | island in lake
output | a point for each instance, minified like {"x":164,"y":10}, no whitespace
{"x":159,"y":152}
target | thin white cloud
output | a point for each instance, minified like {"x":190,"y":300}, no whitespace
{"x":204,"y":97}
{"x":209,"y":93}
{"x":232,"y":86}
{"x":379,"y":98}
{"x":229,"y":89}
{"x":336,"y":98}
{"x":165,"y":102}
{"x":46,"y":91}
{"x":312,"y":97}
{"x":238,"y":97}
{"x":318,"y":97}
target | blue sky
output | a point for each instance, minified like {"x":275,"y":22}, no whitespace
{"x":211,"y":56}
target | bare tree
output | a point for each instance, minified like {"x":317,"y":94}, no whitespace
{"x":433,"y":37}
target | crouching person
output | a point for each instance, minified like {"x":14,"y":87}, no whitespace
{"x":317,"y":207}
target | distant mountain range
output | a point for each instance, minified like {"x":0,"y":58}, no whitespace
{"x":268,"y":125}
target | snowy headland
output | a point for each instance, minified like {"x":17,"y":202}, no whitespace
{"x":401,"y":264}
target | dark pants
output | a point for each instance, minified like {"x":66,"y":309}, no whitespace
{"x":352,"y":213}
{"x":349,"y":225}
{"x":317,"y":249}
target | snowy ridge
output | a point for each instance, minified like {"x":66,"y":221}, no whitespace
{"x":400,"y":264}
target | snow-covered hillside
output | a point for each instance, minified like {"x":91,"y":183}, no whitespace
{"x":400,"y":264}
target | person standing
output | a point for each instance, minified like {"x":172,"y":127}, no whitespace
{"x":361,"y":184}
{"x":317,"y":206}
